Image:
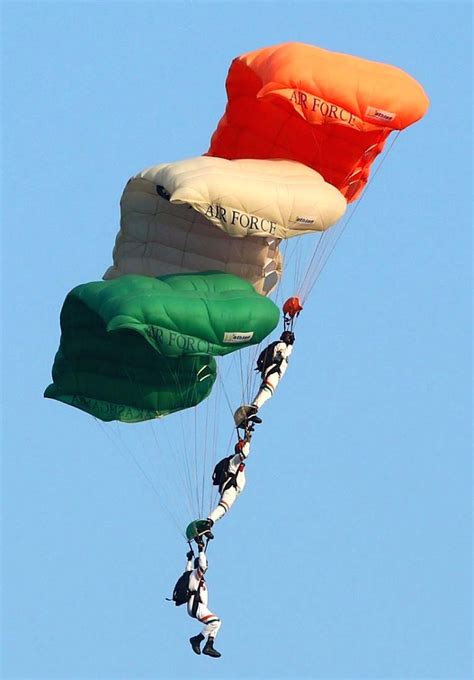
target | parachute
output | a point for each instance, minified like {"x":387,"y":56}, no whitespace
{"x":205,"y":247}
{"x":211,"y":213}
{"x":136,"y":348}
{"x":332,"y":112}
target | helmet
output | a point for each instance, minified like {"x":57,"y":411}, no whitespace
{"x":239,"y":446}
{"x":292,"y":307}
{"x":288,"y":337}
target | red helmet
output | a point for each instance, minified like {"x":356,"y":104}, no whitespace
{"x":239,"y":446}
{"x":292,"y":306}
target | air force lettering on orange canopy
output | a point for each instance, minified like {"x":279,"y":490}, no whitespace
{"x":326,"y":109}
{"x":242,"y":219}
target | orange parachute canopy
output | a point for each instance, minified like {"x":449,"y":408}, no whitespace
{"x":330,"y":111}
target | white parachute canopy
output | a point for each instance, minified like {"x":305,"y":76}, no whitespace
{"x":214,"y":214}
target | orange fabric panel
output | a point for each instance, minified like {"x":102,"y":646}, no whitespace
{"x":330,"y":111}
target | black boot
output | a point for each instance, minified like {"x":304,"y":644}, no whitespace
{"x":252,"y":417}
{"x":196,"y":643}
{"x":209,"y":648}
{"x":206,"y":526}
{"x":245,"y":414}
{"x":204,"y":530}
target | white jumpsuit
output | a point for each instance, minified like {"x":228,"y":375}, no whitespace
{"x":273,"y":374}
{"x":197,"y":586}
{"x":231,"y":489}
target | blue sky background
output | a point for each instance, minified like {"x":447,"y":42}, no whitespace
{"x":351,"y":556}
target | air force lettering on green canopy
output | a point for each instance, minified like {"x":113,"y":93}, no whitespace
{"x":136,"y":348}
{"x":184,"y":314}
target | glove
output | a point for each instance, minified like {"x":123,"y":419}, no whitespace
{"x":190,"y":554}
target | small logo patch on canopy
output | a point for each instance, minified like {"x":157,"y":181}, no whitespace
{"x":235,"y":338}
{"x":379,"y":114}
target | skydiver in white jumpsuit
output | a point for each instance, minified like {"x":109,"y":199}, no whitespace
{"x":197,"y":604}
{"x":275,"y":365}
{"x":232,"y":481}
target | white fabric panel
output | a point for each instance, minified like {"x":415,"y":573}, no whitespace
{"x":287,"y":194}
{"x":169,"y":215}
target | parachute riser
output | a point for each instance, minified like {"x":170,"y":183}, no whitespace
{"x":190,"y":544}
{"x":289,"y":322}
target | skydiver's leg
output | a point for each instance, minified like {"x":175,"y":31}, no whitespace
{"x":269,"y":384}
{"x":211,"y":622}
{"x":226,"y":502}
{"x":190,"y":607}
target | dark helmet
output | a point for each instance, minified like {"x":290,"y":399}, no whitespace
{"x":287,"y":337}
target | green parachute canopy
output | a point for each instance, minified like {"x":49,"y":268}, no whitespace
{"x":136,"y":348}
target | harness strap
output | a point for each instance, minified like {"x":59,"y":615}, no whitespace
{"x":231,"y":479}
{"x":196,"y":601}
{"x":275,"y":369}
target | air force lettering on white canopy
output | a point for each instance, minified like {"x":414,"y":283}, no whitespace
{"x":211,"y":213}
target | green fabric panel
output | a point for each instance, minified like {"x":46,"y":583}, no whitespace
{"x":119,"y":376}
{"x":179,"y":314}
{"x":136,"y":348}
{"x":124,"y":392}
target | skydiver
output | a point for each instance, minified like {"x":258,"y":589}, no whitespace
{"x":272,"y":364}
{"x":229,"y":476}
{"x":197,"y":603}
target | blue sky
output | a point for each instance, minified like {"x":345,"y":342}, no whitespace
{"x":349,"y":554}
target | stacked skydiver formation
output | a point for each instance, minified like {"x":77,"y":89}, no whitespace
{"x":301,"y":129}
{"x":229,"y":477}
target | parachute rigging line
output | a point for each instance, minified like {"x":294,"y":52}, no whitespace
{"x":186,"y":485}
{"x":140,"y":468}
{"x":326,"y":244}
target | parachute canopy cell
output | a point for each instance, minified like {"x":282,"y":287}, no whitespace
{"x":203,"y":213}
{"x":137,"y":348}
{"x":330,"y":111}
{"x":123,"y":379}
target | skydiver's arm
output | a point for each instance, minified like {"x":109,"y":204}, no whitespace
{"x":282,"y":352}
{"x":190,"y":560}
{"x":238,"y":458}
{"x":245,"y":450}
